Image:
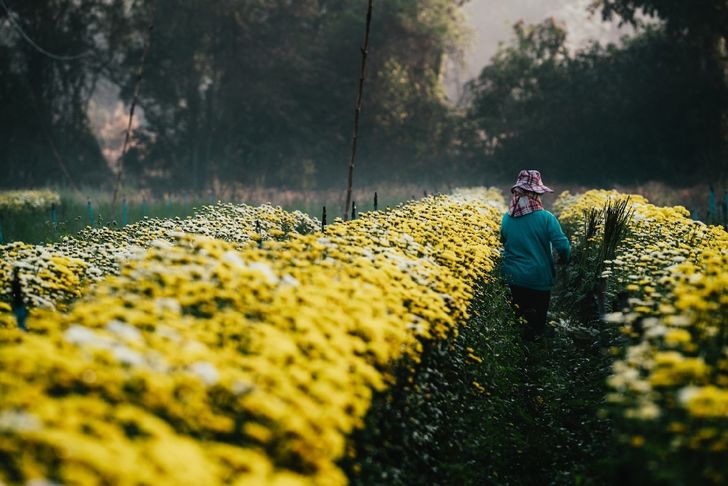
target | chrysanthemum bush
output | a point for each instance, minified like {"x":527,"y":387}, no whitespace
{"x":28,"y":200}
{"x":669,"y":386}
{"x":209,"y":362}
{"x":54,"y":275}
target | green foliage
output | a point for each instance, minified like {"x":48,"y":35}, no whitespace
{"x":436,"y":426}
{"x":646,"y":110}
{"x":702,"y":25}
{"x":695,"y":19}
{"x":581,"y":287}
{"x":256,"y":92}
{"x":261,"y":93}
{"x":44,"y":125}
{"x":531,"y":418}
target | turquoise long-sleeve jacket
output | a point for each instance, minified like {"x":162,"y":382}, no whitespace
{"x":527,"y":257}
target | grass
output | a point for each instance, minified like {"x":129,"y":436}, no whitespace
{"x":72,"y":216}
{"x":74,"y":212}
{"x":532,"y":419}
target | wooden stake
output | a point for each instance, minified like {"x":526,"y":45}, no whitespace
{"x":260,"y":233}
{"x":135,"y":99}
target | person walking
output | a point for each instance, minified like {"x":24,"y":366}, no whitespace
{"x":529,"y":234}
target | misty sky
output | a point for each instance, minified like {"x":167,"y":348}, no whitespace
{"x":492,"y":21}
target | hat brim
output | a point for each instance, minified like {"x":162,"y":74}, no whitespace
{"x":541,"y":189}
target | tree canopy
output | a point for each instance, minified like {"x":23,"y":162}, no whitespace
{"x":645,"y":110}
{"x":261,"y":93}
{"x":237,"y":90}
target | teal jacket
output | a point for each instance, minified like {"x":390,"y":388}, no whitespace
{"x":528,"y":240}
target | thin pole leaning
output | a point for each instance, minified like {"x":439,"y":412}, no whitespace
{"x":135,"y":99}
{"x":357,"y":109}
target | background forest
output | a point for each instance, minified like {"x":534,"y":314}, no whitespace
{"x":261,"y":93}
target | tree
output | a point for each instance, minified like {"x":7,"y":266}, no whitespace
{"x":704,"y":24}
{"x":644,"y":110}
{"x":44,"y":131}
{"x":257,"y":91}
{"x":247,"y":91}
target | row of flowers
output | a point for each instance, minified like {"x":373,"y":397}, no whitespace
{"x":209,"y":362}
{"x":54,"y":275}
{"x":33,"y":200}
{"x":670,"y":385}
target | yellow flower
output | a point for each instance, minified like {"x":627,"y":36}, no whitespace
{"x":707,"y":401}
{"x":234,"y":364}
{"x":637,"y":441}
{"x":677,"y":337}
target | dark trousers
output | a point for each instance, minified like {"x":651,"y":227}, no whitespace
{"x":531,"y":305}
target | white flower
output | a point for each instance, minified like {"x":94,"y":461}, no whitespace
{"x":289,"y":280}
{"x":678,"y":320}
{"x":82,"y":335}
{"x":168,"y":303}
{"x":169,"y":333}
{"x":205,"y":371}
{"x":42,"y":482}
{"x":407,"y":239}
{"x":241,"y":387}
{"x":655,"y":331}
{"x":161,"y":244}
{"x":18,"y":421}
{"x":686,"y":394}
{"x":613,"y":318}
{"x":646,"y":410}
{"x":233,"y":259}
{"x":124,"y":331}
{"x":265,"y":270}
{"x":128,"y":356}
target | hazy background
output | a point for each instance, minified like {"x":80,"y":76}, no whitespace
{"x":491,"y":23}
{"x":238,"y":95}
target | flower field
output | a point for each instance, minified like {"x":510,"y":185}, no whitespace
{"x":54,"y":275}
{"x":669,"y":385}
{"x":28,"y":200}
{"x":190,"y":352}
{"x":246,"y":345}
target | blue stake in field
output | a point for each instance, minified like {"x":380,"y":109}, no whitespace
{"x":712,"y":209}
{"x":54,"y":220}
{"x":90,"y":210}
{"x":17,"y":304}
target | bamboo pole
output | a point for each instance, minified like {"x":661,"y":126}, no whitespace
{"x":357,"y":108}
{"x":135,"y":99}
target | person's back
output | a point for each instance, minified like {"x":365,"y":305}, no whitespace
{"x":527,"y":259}
{"x":529,"y":233}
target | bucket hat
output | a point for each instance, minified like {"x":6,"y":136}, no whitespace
{"x":530,"y":180}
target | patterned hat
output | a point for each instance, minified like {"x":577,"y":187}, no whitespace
{"x":530,"y":180}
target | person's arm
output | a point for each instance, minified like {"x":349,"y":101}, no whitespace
{"x":559,"y":240}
